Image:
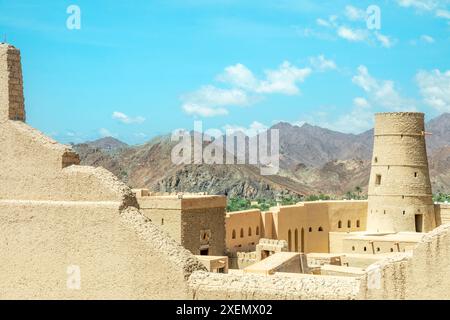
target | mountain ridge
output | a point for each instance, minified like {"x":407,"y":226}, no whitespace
{"x":312,"y":160}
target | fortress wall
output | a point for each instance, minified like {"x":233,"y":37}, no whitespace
{"x":120,"y":256}
{"x":354,"y":211}
{"x":189,"y":219}
{"x":369,"y":246}
{"x":314,"y":215}
{"x":420,"y":274}
{"x":166,"y":220}
{"x":267,"y":224}
{"x":304,"y":226}
{"x":245,"y":220}
{"x":204,"y":222}
{"x":55,"y":214}
{"x":423,"y":275}
{"x":32,"y":168}
{"x":442,"y":211}
{"x":210,"y":286}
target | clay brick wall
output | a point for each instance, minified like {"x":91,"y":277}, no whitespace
{"x":11,"y":84}
{"x":188,"y":219}
{"x":194,"y":222}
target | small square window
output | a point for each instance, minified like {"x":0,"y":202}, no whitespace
{"x":378,"y":179}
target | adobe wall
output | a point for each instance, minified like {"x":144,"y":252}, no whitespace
{"x":268,"y":225}
{"x":120,"y":255}
{"x":34,"y":166}
{"x":289,"y":286}
{"x":367,"y":245}
{"x":198,"y":222}
{"x":188,"y":218}
{"x":167,"y":220}
{"x":55,"y":214}
{"x":311,"y":217}
{"x":352,"y":215}
{"x":424,"y":275}
{"x":38,"y":168}
{"x":244,"y":229}
{"x":442,"y":213}
{"x":305,"y":227}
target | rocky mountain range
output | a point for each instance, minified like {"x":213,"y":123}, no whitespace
{"x":313,"y":160}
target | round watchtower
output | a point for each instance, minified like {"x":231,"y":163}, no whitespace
{"x":400,"y":197}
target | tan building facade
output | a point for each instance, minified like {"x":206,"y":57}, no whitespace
{"x":304,"y":226}
{"x":197,"y":222}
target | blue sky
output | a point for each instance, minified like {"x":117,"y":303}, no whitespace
{"x":136,"y":69}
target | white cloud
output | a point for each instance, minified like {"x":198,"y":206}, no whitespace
{"x":254,"y":129}
{"x":364,"y":80}
{"x":358,"y":35}
{"x":140,"y":135}
{"x":358,"y":120}
{"x":382,"y":92}
{"x":385,"y":41}
{"x":438,"y":7}
{"x":427,"y":38}
{"x":441,"y":13}
{"x":323,"y":23}
{"x":331,"y":22}
{"x":426,"y":5}
{"x":106,"y":133}
{"x":204,"y":111}
{"x":434,"y":87}
{"x":361,"y":102}
{"x":352,"y":34}
{"x":283,"y":80}
{"x":355,"y":14}
{"x":311,"y":33}
{"x":122,"y":117}
{"x":245,"y":89}
{"x":210,"y":101}
{"x":239,"y":76}
{"x":320,"y":63}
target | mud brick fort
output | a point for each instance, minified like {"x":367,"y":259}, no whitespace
{"x":133,"y":244}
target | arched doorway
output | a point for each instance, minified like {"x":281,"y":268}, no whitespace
{"x":289,"y":240}
{"x":296,"y":240}
{"x":302,"y":239}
